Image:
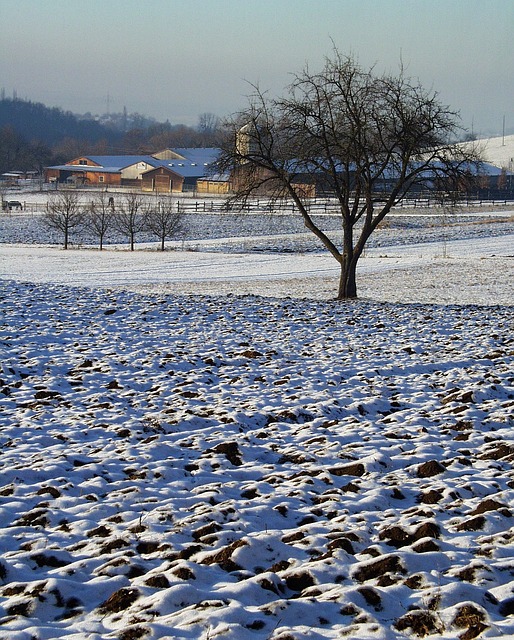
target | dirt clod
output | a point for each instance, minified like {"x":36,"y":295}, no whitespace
{"x":429,"y":469}
{"x":120,"y":600}
{"x":421,"y":623}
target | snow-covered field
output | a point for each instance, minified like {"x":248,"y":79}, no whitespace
{"x":201,"y":444}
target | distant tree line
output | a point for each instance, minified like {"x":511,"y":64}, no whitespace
{"x":33,"y":136}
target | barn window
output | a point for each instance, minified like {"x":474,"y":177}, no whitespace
{"x":101,"y":178}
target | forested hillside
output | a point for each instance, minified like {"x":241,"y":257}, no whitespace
{"x":33,"y":136}
{"x":36,"y":122}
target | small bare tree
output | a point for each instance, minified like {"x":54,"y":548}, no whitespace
{"x":64,"y":213}
{"x":100,"y":216}
{"x":165,"y":220}
{"x":130,"y":217}
{"x":366,"y":140}
{"x":208,"y":123}
{"x":3,"y":201}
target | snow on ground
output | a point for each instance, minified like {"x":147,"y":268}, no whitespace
{"x":418,"y":256}
{"x":499,"y":151}
{"x":453,"y":271}
{"x":187,"y":452}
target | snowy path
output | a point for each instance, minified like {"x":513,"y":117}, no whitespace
{"x":459,"y":271}
{"x":111,"y":267}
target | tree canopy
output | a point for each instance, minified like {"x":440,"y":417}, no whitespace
{"x":363,"y":138}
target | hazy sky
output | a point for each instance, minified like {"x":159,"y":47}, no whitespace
{"x":176,"y":59}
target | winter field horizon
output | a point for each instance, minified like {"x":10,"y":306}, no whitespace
{"x":418,"y":255}
{"x":201,"y":443}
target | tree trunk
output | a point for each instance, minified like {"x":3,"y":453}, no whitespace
{"x":348,"y":280}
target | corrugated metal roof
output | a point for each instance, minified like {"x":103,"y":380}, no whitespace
{"x":199,"y":155}
{"x":194,"y":165}
{"x":184,"y":168}
{"x":195,"y":161}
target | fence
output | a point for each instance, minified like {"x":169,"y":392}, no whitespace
{"x":321,"y":206}
{"x":316,"y":206}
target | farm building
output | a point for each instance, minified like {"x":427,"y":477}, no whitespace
{"x":162,"y":180}
{"x":215,"y":185}
{"x":168,"y":170}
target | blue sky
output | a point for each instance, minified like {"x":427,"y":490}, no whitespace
{"x":176,"y":59}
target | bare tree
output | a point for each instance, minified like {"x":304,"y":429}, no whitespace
{"x":3,"y":201}
{"x":165,"y":220}
{"x":208,"y":123}
{"x":362,"y":138}
{"x":130,"y":218}
{"x":100,"y":216}
{"x":208,"y":127}
{"x":64,"y":213}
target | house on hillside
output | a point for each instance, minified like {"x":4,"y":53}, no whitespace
{"x":170,"y":170}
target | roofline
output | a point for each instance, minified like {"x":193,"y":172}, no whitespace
{"x":162,"y":167}
{"x":87,"y":158}
{"x":82,"y":168}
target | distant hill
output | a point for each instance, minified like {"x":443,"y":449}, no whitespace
{"x":499,"y":151}
{"x":37,"y":123}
